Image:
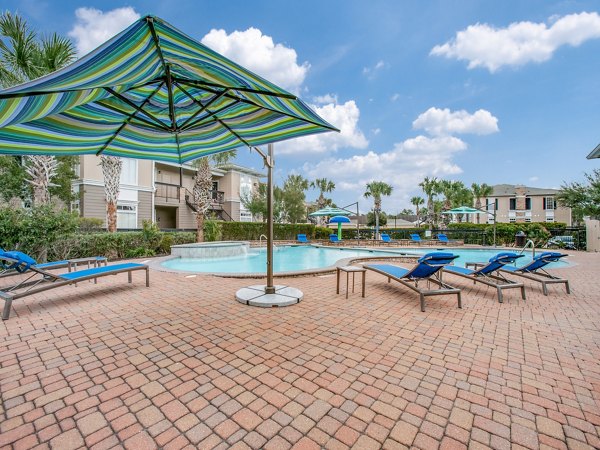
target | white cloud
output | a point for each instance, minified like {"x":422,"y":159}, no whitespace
{"x":370,"y":71}
{"x":534,"y":178}
{"x":327,"y":98}
{"x":376,"y":131}
{"x":257,"y":52}
{"x":403,"y":167}
{"x":344,"y":117}
{"x":94,"y":27}
{"x":483,"y":45}
{"x":395,"y":97}
{"x":440,"y":122}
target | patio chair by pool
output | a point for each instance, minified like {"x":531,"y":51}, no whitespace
{"x":387,"y":239}
{"x":416,"y":238}
{"x":443,"y":238}
{"x":489,"y":273}
{"x":535,"y":270}
{"x":301,"y":239}
{"x":9,"y":269}
{"x":41,"y":280}
{"x":427,"y":270}
{"x":333,"y":238}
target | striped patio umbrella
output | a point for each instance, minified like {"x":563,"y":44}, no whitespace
{"x":330,"y":211}
{"x":151,"y":92}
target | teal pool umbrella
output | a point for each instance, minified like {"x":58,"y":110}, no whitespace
{"x":153,"y":92}
{"x":330,"y":211}
{"x":339,"y":220}
{"x":471,"y":210}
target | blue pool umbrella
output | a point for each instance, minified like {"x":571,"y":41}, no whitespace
{"x":339,"y":220}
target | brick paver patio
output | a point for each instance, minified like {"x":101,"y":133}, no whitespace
{"x":182,"y":364}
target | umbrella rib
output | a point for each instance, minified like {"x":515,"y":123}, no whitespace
{"x":210,"y":114}
{"x":133,"y":105}
{"x":150,"y":22}
{"x":249,"y":102}
{"x":235,"y":88}
{"x":202,"y":107}
{"x":170,"y":92}
{"x":124,"y":124}
{"x":125,"y":113}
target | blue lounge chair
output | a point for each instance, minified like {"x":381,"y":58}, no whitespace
{"x":489,"y":274}
{"x":301,"y":239}
{"x":8,"y":269}
{"x":386,"y":238}
{"x":427,"y":269}
{"x":333,"y":238}
{"x":416,"y":238}
{"x":443,"y":238}
{"x":39,"y":280}
{"x":535,"y":270}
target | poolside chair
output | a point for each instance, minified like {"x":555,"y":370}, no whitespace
{"x":9,"y":269}
{"x":489,"y":274}
{"x":301,"y":239}
{"x":40,"y":280}
{"x":442,"y":238}
{"x":535,"y":270}
{"x":386,"y":238}
{"x":427,"y":269}
{"x":416,"y":238}
{"x":333,"y":238}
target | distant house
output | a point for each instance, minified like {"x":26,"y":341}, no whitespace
{"x":519,"y":204}
{"x":162,"y":192}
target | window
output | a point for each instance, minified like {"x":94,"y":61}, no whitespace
{"x":245,"y":216}
{"x":215,"y":185}
{"x":512,"y":219}
{"x":129,"y":171}
{"x":512,"y":204}
{"x":127,"y":216}
{"x":527,"y":219}
{"x":549,"y":219}
{"x":549,"y":203}
{"x":527,"y":203}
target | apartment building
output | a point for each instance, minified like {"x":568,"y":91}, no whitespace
{"x":162,"y":192}
{"x":517,"y":204}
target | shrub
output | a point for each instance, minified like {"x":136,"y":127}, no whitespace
{"x":212,"y":230}
{"x":87,"y":224}
{"x":35,"y":231}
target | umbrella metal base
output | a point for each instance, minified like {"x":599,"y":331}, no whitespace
{"x":256,"y":296}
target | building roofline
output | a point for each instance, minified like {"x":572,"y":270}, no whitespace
{"x":509,"y":190}
{"x":237,"y":168}
{"x":595,"y":153}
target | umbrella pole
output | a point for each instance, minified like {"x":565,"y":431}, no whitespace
{"x":270,"y":288}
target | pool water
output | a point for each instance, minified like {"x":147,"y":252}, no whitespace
{"x":303,"y":257}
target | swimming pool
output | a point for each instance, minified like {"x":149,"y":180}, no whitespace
{"x":305,"y":257}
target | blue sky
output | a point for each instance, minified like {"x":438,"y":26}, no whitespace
{"x":477,"y":91}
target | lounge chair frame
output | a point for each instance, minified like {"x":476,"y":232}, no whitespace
{"x":70,"y":264}
{"x":494,"y":280}
{"x":413,"y":284}
{"x":46,"y":281}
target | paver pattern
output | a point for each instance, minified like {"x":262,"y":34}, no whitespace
{"x":183,"y":365}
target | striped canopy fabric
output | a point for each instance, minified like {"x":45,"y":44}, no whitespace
{"x":151,"y":92}
{"x":330,"y":211}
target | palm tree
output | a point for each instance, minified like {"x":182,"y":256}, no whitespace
{"x":22,"y":58}
{"x":417,"y":201}
{"x":111,"y":170}
{"x":323,"y":185}
{"x":201,"y":192}
{"x":431,"y":187}
{"x":480,"y":191}
{"x":376,"y":189}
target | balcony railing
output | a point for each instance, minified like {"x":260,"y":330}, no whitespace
{"x":172,"y":193}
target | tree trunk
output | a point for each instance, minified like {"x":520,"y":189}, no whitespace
{"x":41,"y":169}
{"x":111,"y":170}
{"x":111,"y":217}
{"x":478,"y":206}
{"x":200,"y":225}
{"x":430,"y":212}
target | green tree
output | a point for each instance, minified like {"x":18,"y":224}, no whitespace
{"x":294,"y":198}
{"x":324,"y":186}
{"x":12,"y":174}
{"x":416,"y":202}
{"x":480,"y":191}
{"x":256,"y":203}
{"x":24,"y":57}
{"x":377,"y":189}
{"x":431,"y":187}
{"x":582,"y":198}
{"x":201,"y":192}
{"x":372,"y":220}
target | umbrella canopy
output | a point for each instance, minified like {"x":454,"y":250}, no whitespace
{"x":339,"y":220}
{"x":329,"y":211}
{"x":151,"y":92}
{"x":464,"y":210}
